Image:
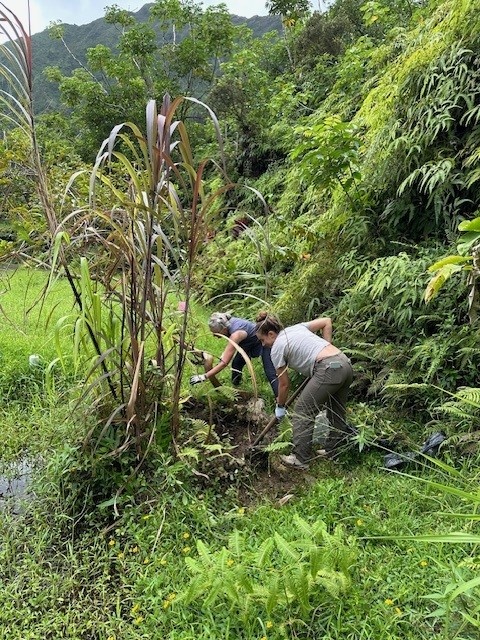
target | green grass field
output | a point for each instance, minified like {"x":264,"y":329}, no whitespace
{"x":128,"y":576}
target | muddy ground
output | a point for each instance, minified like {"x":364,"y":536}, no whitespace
{"x":257,"y":474}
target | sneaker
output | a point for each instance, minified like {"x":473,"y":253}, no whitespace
{"x":293,"y":461}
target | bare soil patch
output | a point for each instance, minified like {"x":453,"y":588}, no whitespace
{"x":257,"y":475}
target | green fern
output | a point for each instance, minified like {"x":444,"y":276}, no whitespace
{"x":275,"y":447}
{"x":274,"y":595}
{"x":464,"y":405}
{"x":281,"y":572}
{"x":455,"y":411}
{"x":285,"y":548}
{"x":235,"y":544}
{"x":430,"y":356}
{"x":336,"y":583}
{"x":470,"y":396}
{"x":264,"y":553}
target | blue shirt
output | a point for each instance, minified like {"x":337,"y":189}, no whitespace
{"x":240,"y":324}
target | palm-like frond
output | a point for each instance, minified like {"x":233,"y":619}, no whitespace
{"x":16,"y":70}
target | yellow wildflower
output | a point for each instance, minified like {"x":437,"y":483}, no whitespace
{"x":230,"y":562}
{"x":163,"y":561}
{"x":134,"y":610}
{"x":138,"y":620}
{"x":134,"y":550}
{"x":121,"y":555}
{"x":423,"y":563}
{"x":241,"y":511}
{"x":186,"y":550}
{"x":269,"y":624}
{"x":389,"y":602}
{"x":171,"y":597}
{"x":359,"y":522}
{"x":398,"y":611}
{"x":146,"y":561}
{"x":186,"y":535}
{"x":111,"y":542}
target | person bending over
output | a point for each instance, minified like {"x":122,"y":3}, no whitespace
{"x":241,"y":332}
{"x":330,"y":375}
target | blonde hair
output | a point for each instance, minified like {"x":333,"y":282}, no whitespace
{"x":219,"y":321}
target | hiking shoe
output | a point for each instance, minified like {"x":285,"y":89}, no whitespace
{"x":294,"y":462}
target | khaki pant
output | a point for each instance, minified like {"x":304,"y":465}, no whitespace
{"x":327,"y":388}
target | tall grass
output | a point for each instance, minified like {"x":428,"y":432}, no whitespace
{"x":126,"y":254}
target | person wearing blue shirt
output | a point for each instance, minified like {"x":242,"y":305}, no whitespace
{"x":243,"y":333}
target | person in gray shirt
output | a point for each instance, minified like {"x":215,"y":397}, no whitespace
{"x":330,"y":375}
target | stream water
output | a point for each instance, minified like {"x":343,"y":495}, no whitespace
{"x":14,"y":483}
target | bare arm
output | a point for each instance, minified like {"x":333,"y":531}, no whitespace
{"x":228,"y":353}
{"x":324,"y":325}
{"x":283,"y":386}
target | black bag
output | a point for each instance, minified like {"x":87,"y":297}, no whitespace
{"x":430,"y":447}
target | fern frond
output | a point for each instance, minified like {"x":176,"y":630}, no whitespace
{"x":334,"y":582}
{"x":286,"y":549}
{"x":316,"y":561}
{"x":235,"y":543}
{"x":264,"y":552}
{"x":276,"y":446}
{"x":193,"y":565}
{"x":303,"y":526}
{"x":470,"y":396}
{"x":402,"y":388}
{"x":195,"y":589}
{"x":202,"y":431}
{"x":455,"y":412}
{"x":214,"y":592}
{"x":300,"y":583}
{"x":465,"y":404}
{"x":204,"y":555}
{"x":231,"y":590}
{"x":189,"y":452}
{"x":274,"y":595}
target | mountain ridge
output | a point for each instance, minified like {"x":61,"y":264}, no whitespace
{"x":51,"y":52}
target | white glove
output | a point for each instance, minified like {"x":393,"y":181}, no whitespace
{"x":196,"y":379}
{"x":280,"y":412}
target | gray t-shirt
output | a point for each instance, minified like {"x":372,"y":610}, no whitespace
{"x":297,"y":347}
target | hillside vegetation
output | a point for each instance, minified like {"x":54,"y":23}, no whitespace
{"x":375,"y":179}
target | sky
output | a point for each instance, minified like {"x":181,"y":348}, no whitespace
{"x":42,"y":12}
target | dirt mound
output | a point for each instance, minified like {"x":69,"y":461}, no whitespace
{"x":233,"y":460}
